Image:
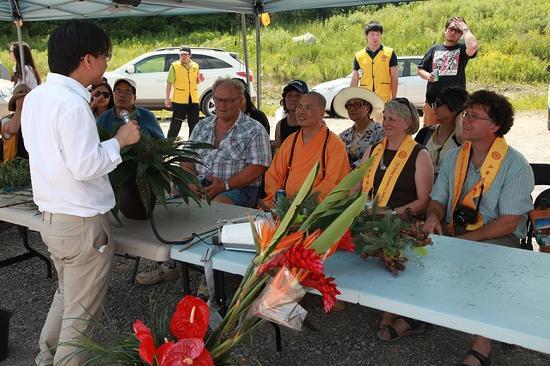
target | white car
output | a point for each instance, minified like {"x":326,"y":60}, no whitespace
{"x":150,"y":70}
{"x":411,"y":86}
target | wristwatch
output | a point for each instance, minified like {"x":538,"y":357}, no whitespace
{"x":465,"y":29}
{"x":226,"y":184}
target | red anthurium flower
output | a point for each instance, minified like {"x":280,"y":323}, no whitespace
{"x":346,"y":242}
{"x":189,"y":351}
{"x":161,"y":350}
{"x":325,"y":286}
{"x":190,"y":319}
{"x":146,"y":342}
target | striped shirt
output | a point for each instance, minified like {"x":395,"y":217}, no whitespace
{"x":246,"y":143}
{"x":510,"y":193}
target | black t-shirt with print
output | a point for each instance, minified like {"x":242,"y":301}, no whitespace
{"x":451,"y":63}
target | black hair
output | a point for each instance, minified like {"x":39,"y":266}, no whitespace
{"x":29,"y":61}
{"x":454,"y":97}
{"x":73,"y":40}
{"x":374,"y":26}
{"x":499,"y":109}
{"x":106,"y":85}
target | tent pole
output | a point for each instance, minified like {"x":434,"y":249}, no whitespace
{"x":245,"y":49}
{"x":18,"y":24}
{"x":258,"y":62}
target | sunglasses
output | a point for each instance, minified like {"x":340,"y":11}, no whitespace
{"x":102,"y":94}
{"x":454,"y":30}
{"x":350,"y":105}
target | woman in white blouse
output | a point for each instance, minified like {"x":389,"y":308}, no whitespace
{"x":32,"y":78}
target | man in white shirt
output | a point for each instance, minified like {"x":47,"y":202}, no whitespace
{"x":69,"y":168}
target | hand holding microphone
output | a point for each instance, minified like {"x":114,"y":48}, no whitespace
{"x":128,"y":133}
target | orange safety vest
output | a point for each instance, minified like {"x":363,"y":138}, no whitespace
{"x":185,"y":83}
{"x":376,"y":72}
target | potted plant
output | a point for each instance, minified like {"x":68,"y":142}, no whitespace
{"x":149,"y":172}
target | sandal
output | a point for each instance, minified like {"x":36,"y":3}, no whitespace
{"x":415,"y":327}
{"x":483,"y":360}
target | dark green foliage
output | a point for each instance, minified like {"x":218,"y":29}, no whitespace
{"x":155,"y":166}
{"x":15,"y":173}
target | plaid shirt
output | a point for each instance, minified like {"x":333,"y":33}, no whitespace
{"x":246,"y":143}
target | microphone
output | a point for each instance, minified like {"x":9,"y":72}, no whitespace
{"x":125,"y":115}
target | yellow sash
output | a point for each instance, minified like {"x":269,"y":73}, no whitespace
{"x":392,"y":172}
{"x":488,"y":172}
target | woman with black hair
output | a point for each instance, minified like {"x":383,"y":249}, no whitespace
{"x":32,"y":78}
{"x":102,"y":98}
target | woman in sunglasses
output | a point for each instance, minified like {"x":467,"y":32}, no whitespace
{"x":443,"y":137}
{"x":400,"y":177}
{"x":102,"y":98}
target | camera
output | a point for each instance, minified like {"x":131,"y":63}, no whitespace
{"x":464,"y":215}
{"x":205,"y":182}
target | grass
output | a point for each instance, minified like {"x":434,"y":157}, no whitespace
{"x":514,"y":36}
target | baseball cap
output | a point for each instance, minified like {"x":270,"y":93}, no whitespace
{"x":20,"y":91}
{"x":184,"y":49}
{"x":298,"y":85}
{"x":131,"y":82}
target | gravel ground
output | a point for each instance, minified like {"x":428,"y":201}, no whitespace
{"x":344,"y":338}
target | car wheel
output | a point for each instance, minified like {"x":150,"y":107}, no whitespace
{"x":331,"y":113}
{"x":208,"y":107}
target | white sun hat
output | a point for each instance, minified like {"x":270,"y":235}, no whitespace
{"x":355,"y":92}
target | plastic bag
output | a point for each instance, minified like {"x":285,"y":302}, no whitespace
{"x":278,"y":301}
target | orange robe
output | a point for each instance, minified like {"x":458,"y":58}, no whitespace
{"x":303,"y":160}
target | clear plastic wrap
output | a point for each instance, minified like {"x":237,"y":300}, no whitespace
{"x":279,"y":300}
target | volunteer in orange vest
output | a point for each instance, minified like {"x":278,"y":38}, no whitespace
{"x":483,"y":189}
{"x":400,"y":177}
{"x":375,"y":67}
{"x":182,"y":93}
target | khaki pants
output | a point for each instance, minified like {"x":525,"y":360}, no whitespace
{"x":82,"y":251}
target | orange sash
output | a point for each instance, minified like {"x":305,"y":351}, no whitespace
{"x":488,"y":172}
{"x":392,"y":172}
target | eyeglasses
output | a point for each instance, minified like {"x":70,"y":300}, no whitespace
{"x":472,"y":117}
{"x":107,"y":55}
{"x":454,"y":30}
{"x":225,"y":100}
{"x":123,"y":92}
{"x":102,"y":94}
{"x":350,"y":105}
{"x":437,"y":103}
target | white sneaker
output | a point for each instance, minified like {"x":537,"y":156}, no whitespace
{"x":162,"y":273}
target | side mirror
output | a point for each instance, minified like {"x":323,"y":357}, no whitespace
{"x":131,"y":69}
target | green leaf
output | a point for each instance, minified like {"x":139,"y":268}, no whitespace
{"x":295,"y":206}
{"x":335,"y":231}
{"x":340,"y":192}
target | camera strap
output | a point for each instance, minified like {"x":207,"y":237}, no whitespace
{"x":488,"y":172}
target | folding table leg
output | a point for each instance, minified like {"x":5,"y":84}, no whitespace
{"x":134,"y":272}
{"x":185,"y":278}
{"x":219,"y":283}
{"x":24,"y":233}
{"x":278,"y":342}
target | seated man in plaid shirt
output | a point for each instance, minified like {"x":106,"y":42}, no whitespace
{"x":233,"y":171}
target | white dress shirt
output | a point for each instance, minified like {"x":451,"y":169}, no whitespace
{"x":69,"y":165}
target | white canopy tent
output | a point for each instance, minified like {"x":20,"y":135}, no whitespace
{"x":41,"y":10}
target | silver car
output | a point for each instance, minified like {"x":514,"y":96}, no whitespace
{"x":411,"y":86}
